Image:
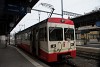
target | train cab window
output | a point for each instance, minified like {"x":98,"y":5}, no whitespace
{"x":55,"y":33}
{"x":68,"y":34}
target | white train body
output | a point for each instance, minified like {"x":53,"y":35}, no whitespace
{"x":49,"y":39}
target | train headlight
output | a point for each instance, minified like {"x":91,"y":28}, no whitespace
{"x":53,"y":45}
{"x":62,"y":20}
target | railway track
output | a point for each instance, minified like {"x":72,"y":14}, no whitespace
{"x":83,"y":59}
{"x":88,"y":52}
{"x":89,"y":55}
{"x":62,"y":64}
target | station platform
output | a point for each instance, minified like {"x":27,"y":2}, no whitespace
{"x":11,"y":57}
{"x":93,"y":48}
{"x":91,"y":45}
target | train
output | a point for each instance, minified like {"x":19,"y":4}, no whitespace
{"x":49,"y":40}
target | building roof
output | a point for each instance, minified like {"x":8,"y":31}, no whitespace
{"x":11,"y":12}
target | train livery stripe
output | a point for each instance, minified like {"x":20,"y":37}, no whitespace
{"x":48,"y":57}
{"x":58,"y":20}
{"x":52,"y":57}
{"x":25,"y":47}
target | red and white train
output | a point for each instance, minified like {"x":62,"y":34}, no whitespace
{"x":50,"y":39}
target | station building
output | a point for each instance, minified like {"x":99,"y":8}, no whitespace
{"x":87,"y":34}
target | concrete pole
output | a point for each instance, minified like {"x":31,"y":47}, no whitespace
{"x":62,"y":8}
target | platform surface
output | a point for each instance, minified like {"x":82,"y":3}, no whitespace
{"x":91,"y":45}
{"x":10,"y":57}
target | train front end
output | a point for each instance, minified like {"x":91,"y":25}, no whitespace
{"x":61,"y":39}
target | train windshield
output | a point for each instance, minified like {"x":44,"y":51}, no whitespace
{"x":68,"y":34}
{"x":55,"y":33}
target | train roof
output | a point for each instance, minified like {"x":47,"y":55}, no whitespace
{"x":60,"y":20}
{"x":51,"y":20}
{"x":33,"y":26}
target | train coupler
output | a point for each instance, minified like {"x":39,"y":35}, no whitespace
{"x":63,"y":58}
{"x":68,"y":60}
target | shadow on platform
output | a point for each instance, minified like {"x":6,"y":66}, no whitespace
{"x":10,"y":57}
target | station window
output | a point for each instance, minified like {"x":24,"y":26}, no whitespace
{"x":93,"y":36}
{"x":78,"y":36}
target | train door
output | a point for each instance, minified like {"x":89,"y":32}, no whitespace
{"x":32,"y":41}
{"x":41,"y":40}
{"x":35,"y":41}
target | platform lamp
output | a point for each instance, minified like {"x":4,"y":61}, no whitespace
{"x":8,"y":36}
{"x":11,"y":24}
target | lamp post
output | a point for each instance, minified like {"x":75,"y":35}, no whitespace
{"x":62,"y":8}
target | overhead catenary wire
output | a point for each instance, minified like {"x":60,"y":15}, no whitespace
{"x":65,"y":13}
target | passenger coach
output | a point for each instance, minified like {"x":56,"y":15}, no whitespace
{"x":50,"y":39}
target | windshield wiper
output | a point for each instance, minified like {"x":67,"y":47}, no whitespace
{"x":67,"y":30}
{"x":52,"y":29}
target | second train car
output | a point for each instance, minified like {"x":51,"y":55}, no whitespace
{"x":50,"y":39}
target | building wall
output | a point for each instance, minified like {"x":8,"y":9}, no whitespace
{"x":84,"y":35}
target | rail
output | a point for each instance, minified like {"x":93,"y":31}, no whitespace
{"x":89,"y":55}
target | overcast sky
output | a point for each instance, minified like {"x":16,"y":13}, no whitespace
{"x":75,"y":6}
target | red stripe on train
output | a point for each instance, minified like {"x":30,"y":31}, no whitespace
{"x":53,"y":56}
{"x":25,"y":47}
{"x":58,"y":20}
{"x":48,"y":57}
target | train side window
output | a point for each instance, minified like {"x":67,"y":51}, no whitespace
{"x":26,"y":36}
{"x":29,"y":36}
{"x":22,"y":36}
{"x":43,"y":34}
